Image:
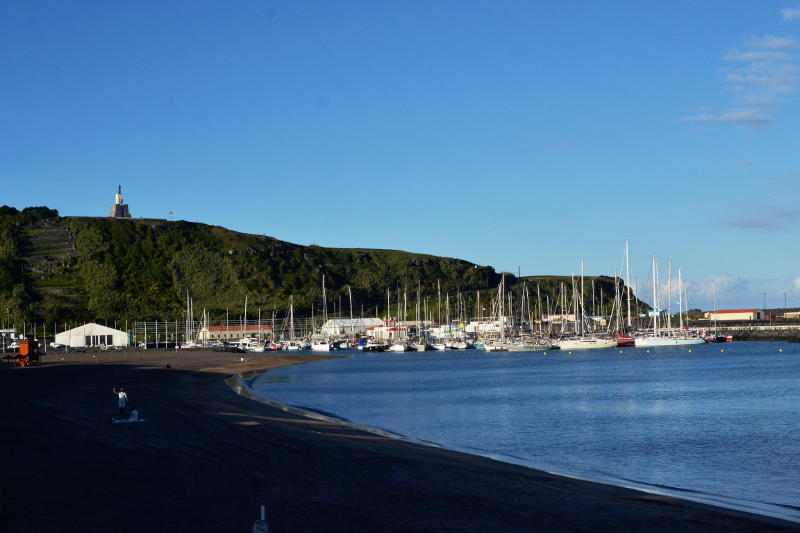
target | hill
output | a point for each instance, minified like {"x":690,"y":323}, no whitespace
{"x":56,"y":269}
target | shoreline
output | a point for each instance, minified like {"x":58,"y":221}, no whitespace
{"x":714,"y":500}
{"x":207,"y":458}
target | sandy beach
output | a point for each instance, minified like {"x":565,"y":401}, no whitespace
{"x":206,"y":458}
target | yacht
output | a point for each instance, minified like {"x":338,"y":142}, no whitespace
{"x":665,"y":340}
{"x":320,"y":345}
{"x":585,"y":343}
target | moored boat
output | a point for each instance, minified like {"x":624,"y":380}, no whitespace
{"x":624,"y":340}
{"x":320,"y":345}
{"x":585,"y":343}
{"x":527,"y":347}
{"x":649,"y":341}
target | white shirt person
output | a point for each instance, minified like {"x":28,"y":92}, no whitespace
{"x":123,"y":399}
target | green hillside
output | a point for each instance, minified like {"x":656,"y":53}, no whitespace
{"x":55,"y":269}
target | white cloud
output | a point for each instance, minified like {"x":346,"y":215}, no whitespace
{"x":751,"y":117}
{"x":707,"y":289}
{"x":771,"y":42}
{"x":757,"y":56}
{"x":796,"y":283}
{"x":790,"y":14}
{"x":761,"y":74}
{"x":763,"y":83}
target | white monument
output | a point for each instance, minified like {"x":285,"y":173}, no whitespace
{"x":119,"y":209}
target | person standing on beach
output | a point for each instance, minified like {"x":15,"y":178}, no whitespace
{"x":123,"y":399}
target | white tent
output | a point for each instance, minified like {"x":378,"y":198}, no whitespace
{"x":92,"y":334}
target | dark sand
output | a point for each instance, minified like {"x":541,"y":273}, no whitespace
{"x":207,"y":458}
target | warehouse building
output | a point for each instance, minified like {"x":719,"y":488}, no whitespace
{"x":723,"y":315}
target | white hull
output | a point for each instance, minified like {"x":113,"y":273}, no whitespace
{"x":585,"y":344}
{"x":439,"y":346}
{"x":666,"y":341}
{"x":421,"y":347}
{"x":528,"y":347}
{"x":321,"y":347}
{"x":495,"y":347}
{"x":397,"y":348}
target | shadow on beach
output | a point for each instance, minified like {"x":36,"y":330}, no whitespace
{"x":206,"y":458}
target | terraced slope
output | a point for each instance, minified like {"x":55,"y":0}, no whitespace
{"x":48,"y":257}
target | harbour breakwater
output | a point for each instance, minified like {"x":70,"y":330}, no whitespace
{"x":765,"y":333}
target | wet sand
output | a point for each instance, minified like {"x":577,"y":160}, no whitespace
{"x":206,"y":458}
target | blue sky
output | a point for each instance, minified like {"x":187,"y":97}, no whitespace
{"x":514,"y":134}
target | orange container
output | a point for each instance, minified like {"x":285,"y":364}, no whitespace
{"x":25,"y":347}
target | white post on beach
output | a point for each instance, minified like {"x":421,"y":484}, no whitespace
{"x":260,"y":526}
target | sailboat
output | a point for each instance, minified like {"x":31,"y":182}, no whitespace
{"x":581,"y":341}
{"x":501,"y":345}
{"x":320,"y":342}
{"x":525,"y":346}
{"x":667,"y":336}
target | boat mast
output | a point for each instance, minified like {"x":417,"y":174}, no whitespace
{"x":680,"y":301}
{"x":405,"y":308}
{"x":539,"y":306}
{"x":291,"y":317}
{"x":501,"y":309}
{"x":628,"y":282}
{"x":655,"y":300}
{"x":324,"y":302}
{"x":447,"y":313}
{"x":669,"y":295}
{"x":418,"y":307}
{"x":528,"y":302}
{"x":438,"y":303}
{"x":188,"y":316}
{"x":583,"y":312}
{"x":574,"y":304}
{"x":714,"y":298}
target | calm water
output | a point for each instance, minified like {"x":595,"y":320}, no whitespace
{"x":715,"y":426}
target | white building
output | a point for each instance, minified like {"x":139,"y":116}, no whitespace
{"x":736,"y":314}
{"x":92,"y":334}
{"x":349,"y":326}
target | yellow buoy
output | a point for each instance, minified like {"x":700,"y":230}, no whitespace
{"x":780,"y":349}
{"x":620,"y":351}
{"x":690,"y":351}
{"x":721,"y":350}
{"x":545,"y":353}
{"x":569,"y":353}
{"x":648,"y":351}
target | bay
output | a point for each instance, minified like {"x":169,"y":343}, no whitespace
{"x":718,"y":424}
